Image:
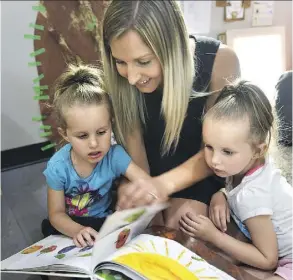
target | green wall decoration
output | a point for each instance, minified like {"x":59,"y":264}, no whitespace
{"x":63,"y":32}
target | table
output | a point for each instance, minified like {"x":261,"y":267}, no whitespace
{"x":201,"y":248}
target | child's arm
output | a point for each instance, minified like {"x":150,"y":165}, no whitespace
{"x":134,"y":172}
{"x":82,"y":236}
{"x":263,"y":253}
{"x":219,"y":211}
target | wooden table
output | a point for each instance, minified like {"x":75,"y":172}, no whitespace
{"x":201,"y":248}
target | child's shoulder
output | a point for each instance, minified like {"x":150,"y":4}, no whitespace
{"x":116,"y":150}
{"x":117,"y":159}
{"x":278,"y":182}
{"x":58,"y":169}
{"x":273,"y":173}
{"x":268,"y":177}
{"x":61,"y":156}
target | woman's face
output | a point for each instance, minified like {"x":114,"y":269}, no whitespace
{"x":136,"y":62}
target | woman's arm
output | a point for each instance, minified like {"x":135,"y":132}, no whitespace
{"x":136,"y":149}
{"x":138,"y":168}
{"x":191,"y":171}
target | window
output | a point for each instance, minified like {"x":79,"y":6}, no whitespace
{"x":261,"y":52}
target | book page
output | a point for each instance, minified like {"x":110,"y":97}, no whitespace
{"x":120,"y":219}
{"x":113,"y":271}
{"x":54,"y":253}
{"x":154,"y":256}
{"x":59,"y":254}
{"x":135,"y":221}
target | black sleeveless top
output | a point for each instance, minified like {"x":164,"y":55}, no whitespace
{"x":191,"y":134}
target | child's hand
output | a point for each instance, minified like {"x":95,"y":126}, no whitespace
{"x":219,"y":211}
{"x":198,"y":226}
{"x":85,"y":237}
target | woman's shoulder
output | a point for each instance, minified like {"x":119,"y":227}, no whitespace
{"x":209,"y":45}
{"x":216,"y":65}
{"x":206,"y":44}
{"x":204,"y":50}
{"x":226,"y":69}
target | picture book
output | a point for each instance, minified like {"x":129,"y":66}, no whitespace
{"x":122,"y":252}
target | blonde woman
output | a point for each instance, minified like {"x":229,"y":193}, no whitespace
{"x":153,"y":69}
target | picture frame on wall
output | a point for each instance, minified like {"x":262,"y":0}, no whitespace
{"x":221,"y":3}
{"x":234,"y":11}
{"x":246,"y":3}
{"x":222,"y":37}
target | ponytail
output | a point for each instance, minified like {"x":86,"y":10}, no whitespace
{"x":244,"y":99}
{"x":79,"y":84}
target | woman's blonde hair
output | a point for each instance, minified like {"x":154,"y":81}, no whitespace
{"x":161,"y":26}
{"x":79,"y":85}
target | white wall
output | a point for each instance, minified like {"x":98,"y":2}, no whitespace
{"x":282,"y":17}
{"x":216,"y":24}
{"x":17,"y":104}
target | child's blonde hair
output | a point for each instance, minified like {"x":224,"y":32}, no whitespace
{"x":243,"y":99}
{"x":79,"y":85}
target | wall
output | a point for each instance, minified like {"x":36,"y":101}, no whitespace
{"x":282,"y":17}
{"x":17,"y":104}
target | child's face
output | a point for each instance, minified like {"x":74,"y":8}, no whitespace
{"x":227,"y":150}
{"x":89,"y":131}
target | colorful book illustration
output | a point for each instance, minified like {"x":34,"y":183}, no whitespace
{"x":121,"y":252}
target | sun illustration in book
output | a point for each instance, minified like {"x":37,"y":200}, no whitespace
{"x":156,"y":263}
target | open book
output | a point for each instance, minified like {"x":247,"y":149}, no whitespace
{"x":121,"y":252}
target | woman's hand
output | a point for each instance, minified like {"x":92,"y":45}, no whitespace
{"x":85,"y":237}
{"x":219,"y":211}
{"x":142,"y":192}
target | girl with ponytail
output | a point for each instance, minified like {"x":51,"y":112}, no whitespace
{"x":237,"y":134}
{"x":80,"y":175}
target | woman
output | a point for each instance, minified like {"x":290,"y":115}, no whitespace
{"x":153,"y":69}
